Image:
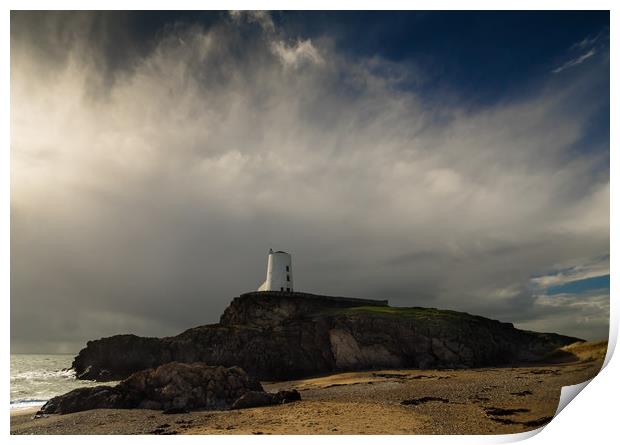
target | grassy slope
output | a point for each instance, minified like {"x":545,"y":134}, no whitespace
{"x":409,"y":312}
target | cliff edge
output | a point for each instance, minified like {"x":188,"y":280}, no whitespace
{"x":281,"y":336}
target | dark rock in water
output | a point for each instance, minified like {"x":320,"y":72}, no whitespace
{"x":285,"y":335}
{"x":174,"y":388}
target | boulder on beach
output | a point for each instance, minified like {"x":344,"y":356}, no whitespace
{"x":173,"y":387}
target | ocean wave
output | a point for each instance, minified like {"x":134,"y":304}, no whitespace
{"x":26,"y":403}
{"x":43,"y":375}
{"x":36,"y":378}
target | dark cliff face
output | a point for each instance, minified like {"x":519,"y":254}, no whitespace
{"x":278,"y":336}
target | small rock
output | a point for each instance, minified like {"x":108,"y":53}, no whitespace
{"x":492,"y":411}
{"x":174,"y":410}
{"x":421,"y":400}
{"x":522,"y":393}
{"x":288,"y":396}
{"x":252,"y":399}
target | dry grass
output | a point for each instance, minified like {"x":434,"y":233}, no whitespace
{"x":587,"y":351}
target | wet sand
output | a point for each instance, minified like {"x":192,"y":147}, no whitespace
{"x":474,"y":401}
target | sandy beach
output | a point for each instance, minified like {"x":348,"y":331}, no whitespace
{"x":474,"y":401}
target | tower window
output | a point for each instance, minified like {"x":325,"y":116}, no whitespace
{"x":281,"y":289}
{"x":287,"y":269}
{"x":288,"y":278}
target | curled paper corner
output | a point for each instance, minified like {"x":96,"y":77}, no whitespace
{"x":568,"y":393}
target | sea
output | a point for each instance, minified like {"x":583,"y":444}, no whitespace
{"x":36,"y":378}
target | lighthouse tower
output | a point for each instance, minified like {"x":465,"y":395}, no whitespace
{"x":279,"y":272}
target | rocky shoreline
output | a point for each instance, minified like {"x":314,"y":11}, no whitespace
{"x":389,"y":401}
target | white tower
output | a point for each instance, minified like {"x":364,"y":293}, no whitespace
{"x":279,"y":272}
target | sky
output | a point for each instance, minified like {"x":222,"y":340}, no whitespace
{"x":457,"y":160}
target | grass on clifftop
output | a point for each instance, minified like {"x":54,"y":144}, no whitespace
{"x":409,"y":312}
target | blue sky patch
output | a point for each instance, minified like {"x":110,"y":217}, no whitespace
{"x":581,"y":286}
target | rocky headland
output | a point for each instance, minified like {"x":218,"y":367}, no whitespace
{"x":282,"y":336}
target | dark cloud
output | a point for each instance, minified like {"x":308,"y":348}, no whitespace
{"x":149,"y":181}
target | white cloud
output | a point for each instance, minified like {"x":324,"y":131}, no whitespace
{"x":583,"y":269}
{"x":586,"y":42}
{"x":263,"y":18}
{"x":576,"y":61}
{"x":297,"y":54}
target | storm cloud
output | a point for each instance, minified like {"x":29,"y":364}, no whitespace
{"x":150,"y":178}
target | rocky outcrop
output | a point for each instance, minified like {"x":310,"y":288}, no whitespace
{"x":280,"y":335}
{"x":272,"y":308}
{"x":123,"y":355}
{"x":173,"y":387}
